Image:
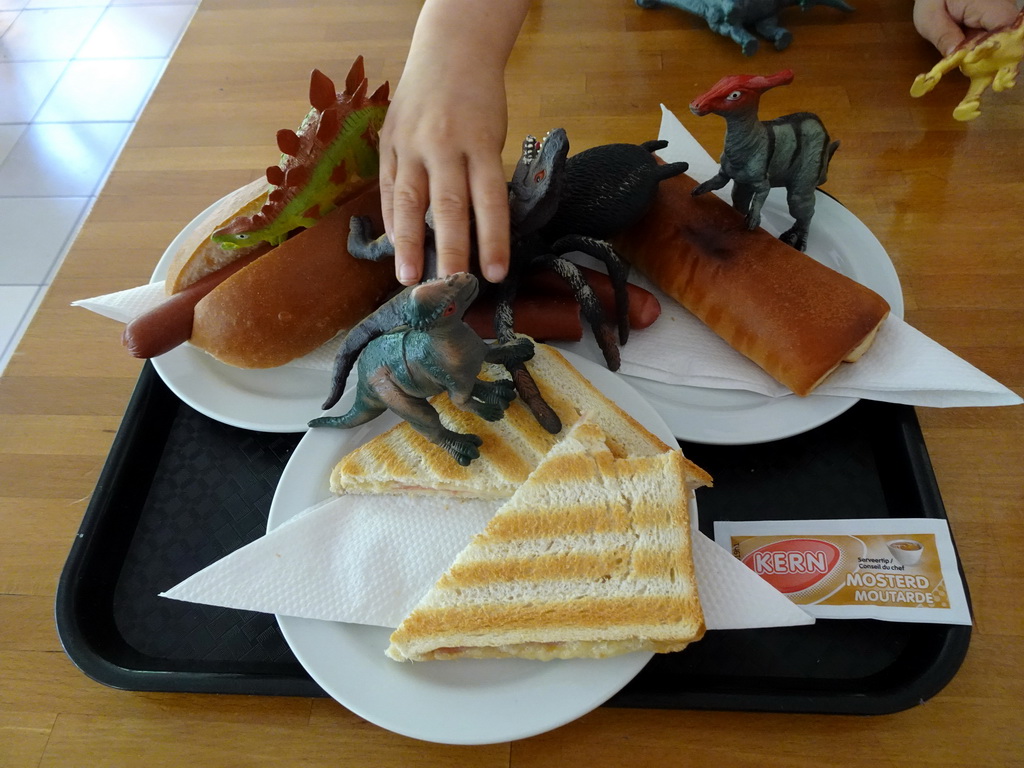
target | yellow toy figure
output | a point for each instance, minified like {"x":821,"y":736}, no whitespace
{"x":989,"y":59}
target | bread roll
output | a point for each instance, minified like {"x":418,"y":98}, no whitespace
{"x":198,"y":255}
{"x":295,"y":297}
{"x":796,"y":318}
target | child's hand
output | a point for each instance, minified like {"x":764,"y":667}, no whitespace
{"x":441,"y":146}
{"x":442,"y":139}
{"x":945,"y":23}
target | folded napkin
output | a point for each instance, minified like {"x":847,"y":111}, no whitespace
{"x":369,"y":559}
{"x":902,"y":366}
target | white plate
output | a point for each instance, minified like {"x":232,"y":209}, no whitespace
{"x":265,"y":400}
{"x":457,"y":702}
{"x":837,"y":239}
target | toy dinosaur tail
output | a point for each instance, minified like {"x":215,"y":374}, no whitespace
{"x":829,"y":151}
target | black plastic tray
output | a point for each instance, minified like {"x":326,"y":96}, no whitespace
{"x":180,"y":491}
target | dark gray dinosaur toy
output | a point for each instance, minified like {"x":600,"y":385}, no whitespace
{"x":415,"y":346}
{"x":559,"y":205}
{"x":736,"y":18}
{"x":792,"y":151}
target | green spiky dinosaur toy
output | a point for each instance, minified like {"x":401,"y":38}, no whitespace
{"x":331,"y":157}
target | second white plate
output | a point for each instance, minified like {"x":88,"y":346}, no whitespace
{"x":463,"y":702}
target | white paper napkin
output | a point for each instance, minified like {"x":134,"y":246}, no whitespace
{"x":369,"y":559}
{"x":902,"y":366}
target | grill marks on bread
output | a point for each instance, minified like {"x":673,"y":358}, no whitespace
{"x":403,"y":461}
{"x":590,"y":557}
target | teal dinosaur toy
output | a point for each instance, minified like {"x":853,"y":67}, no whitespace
{"x":332,"y":156}
{"x":415,"y":346}
{"x":739,"y":19}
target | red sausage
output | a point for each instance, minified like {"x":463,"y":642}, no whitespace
{"x":644,"y":307}
{"x":545,"y":318}
{"x":168,"y":325}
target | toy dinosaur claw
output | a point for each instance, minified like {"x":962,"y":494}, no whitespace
{"x":519,"y":350}
{"x":362,"y":244}
{"x":795,"y":237}
{"x":922,"y":84}
{"x":463,"y":448}
{"x":1004,"y":80}
{"x":783,"y":40}
{"x":326,"y":421}
{"x":606,"y":340}
{"x":490,"y":399}
{"x":967,"y":110}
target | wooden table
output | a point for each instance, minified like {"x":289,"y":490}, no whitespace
{"x":943,"y":197}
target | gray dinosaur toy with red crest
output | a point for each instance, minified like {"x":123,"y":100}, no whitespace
{"x":792,"y":151}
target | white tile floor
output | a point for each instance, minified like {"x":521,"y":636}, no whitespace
{"x":74,"y":76}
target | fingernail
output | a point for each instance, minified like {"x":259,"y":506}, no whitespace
{"x":407,"y":273}
{"x":494,"y":273}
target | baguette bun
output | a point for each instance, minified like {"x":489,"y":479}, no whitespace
{"x":293,"y":298}
{"x":590,"y":557}
{"x":403,"y":461}
{"x":198,"y":255}
{"x":796,"y":318}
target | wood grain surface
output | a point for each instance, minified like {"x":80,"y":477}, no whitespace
{"x":943,"y":197}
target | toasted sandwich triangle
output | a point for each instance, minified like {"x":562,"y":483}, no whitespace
{"x":590,"y":557}
{"x":402,"y":461}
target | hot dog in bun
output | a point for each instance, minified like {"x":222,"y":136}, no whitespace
{"x":265,"y":277}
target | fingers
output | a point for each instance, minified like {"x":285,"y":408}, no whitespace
{"x":947,"y":38}
{"x":987,"y":15}
{"x":943,"y":22}
{"x":936,"y":26}
{"x":490,"y":207}
{"x":449,"y":208}
{"x":452,"y":187}
{"x":404,"y":196}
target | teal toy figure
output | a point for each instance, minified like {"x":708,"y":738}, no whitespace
{"x":415,"y":346}
{"x":739,"y":19}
